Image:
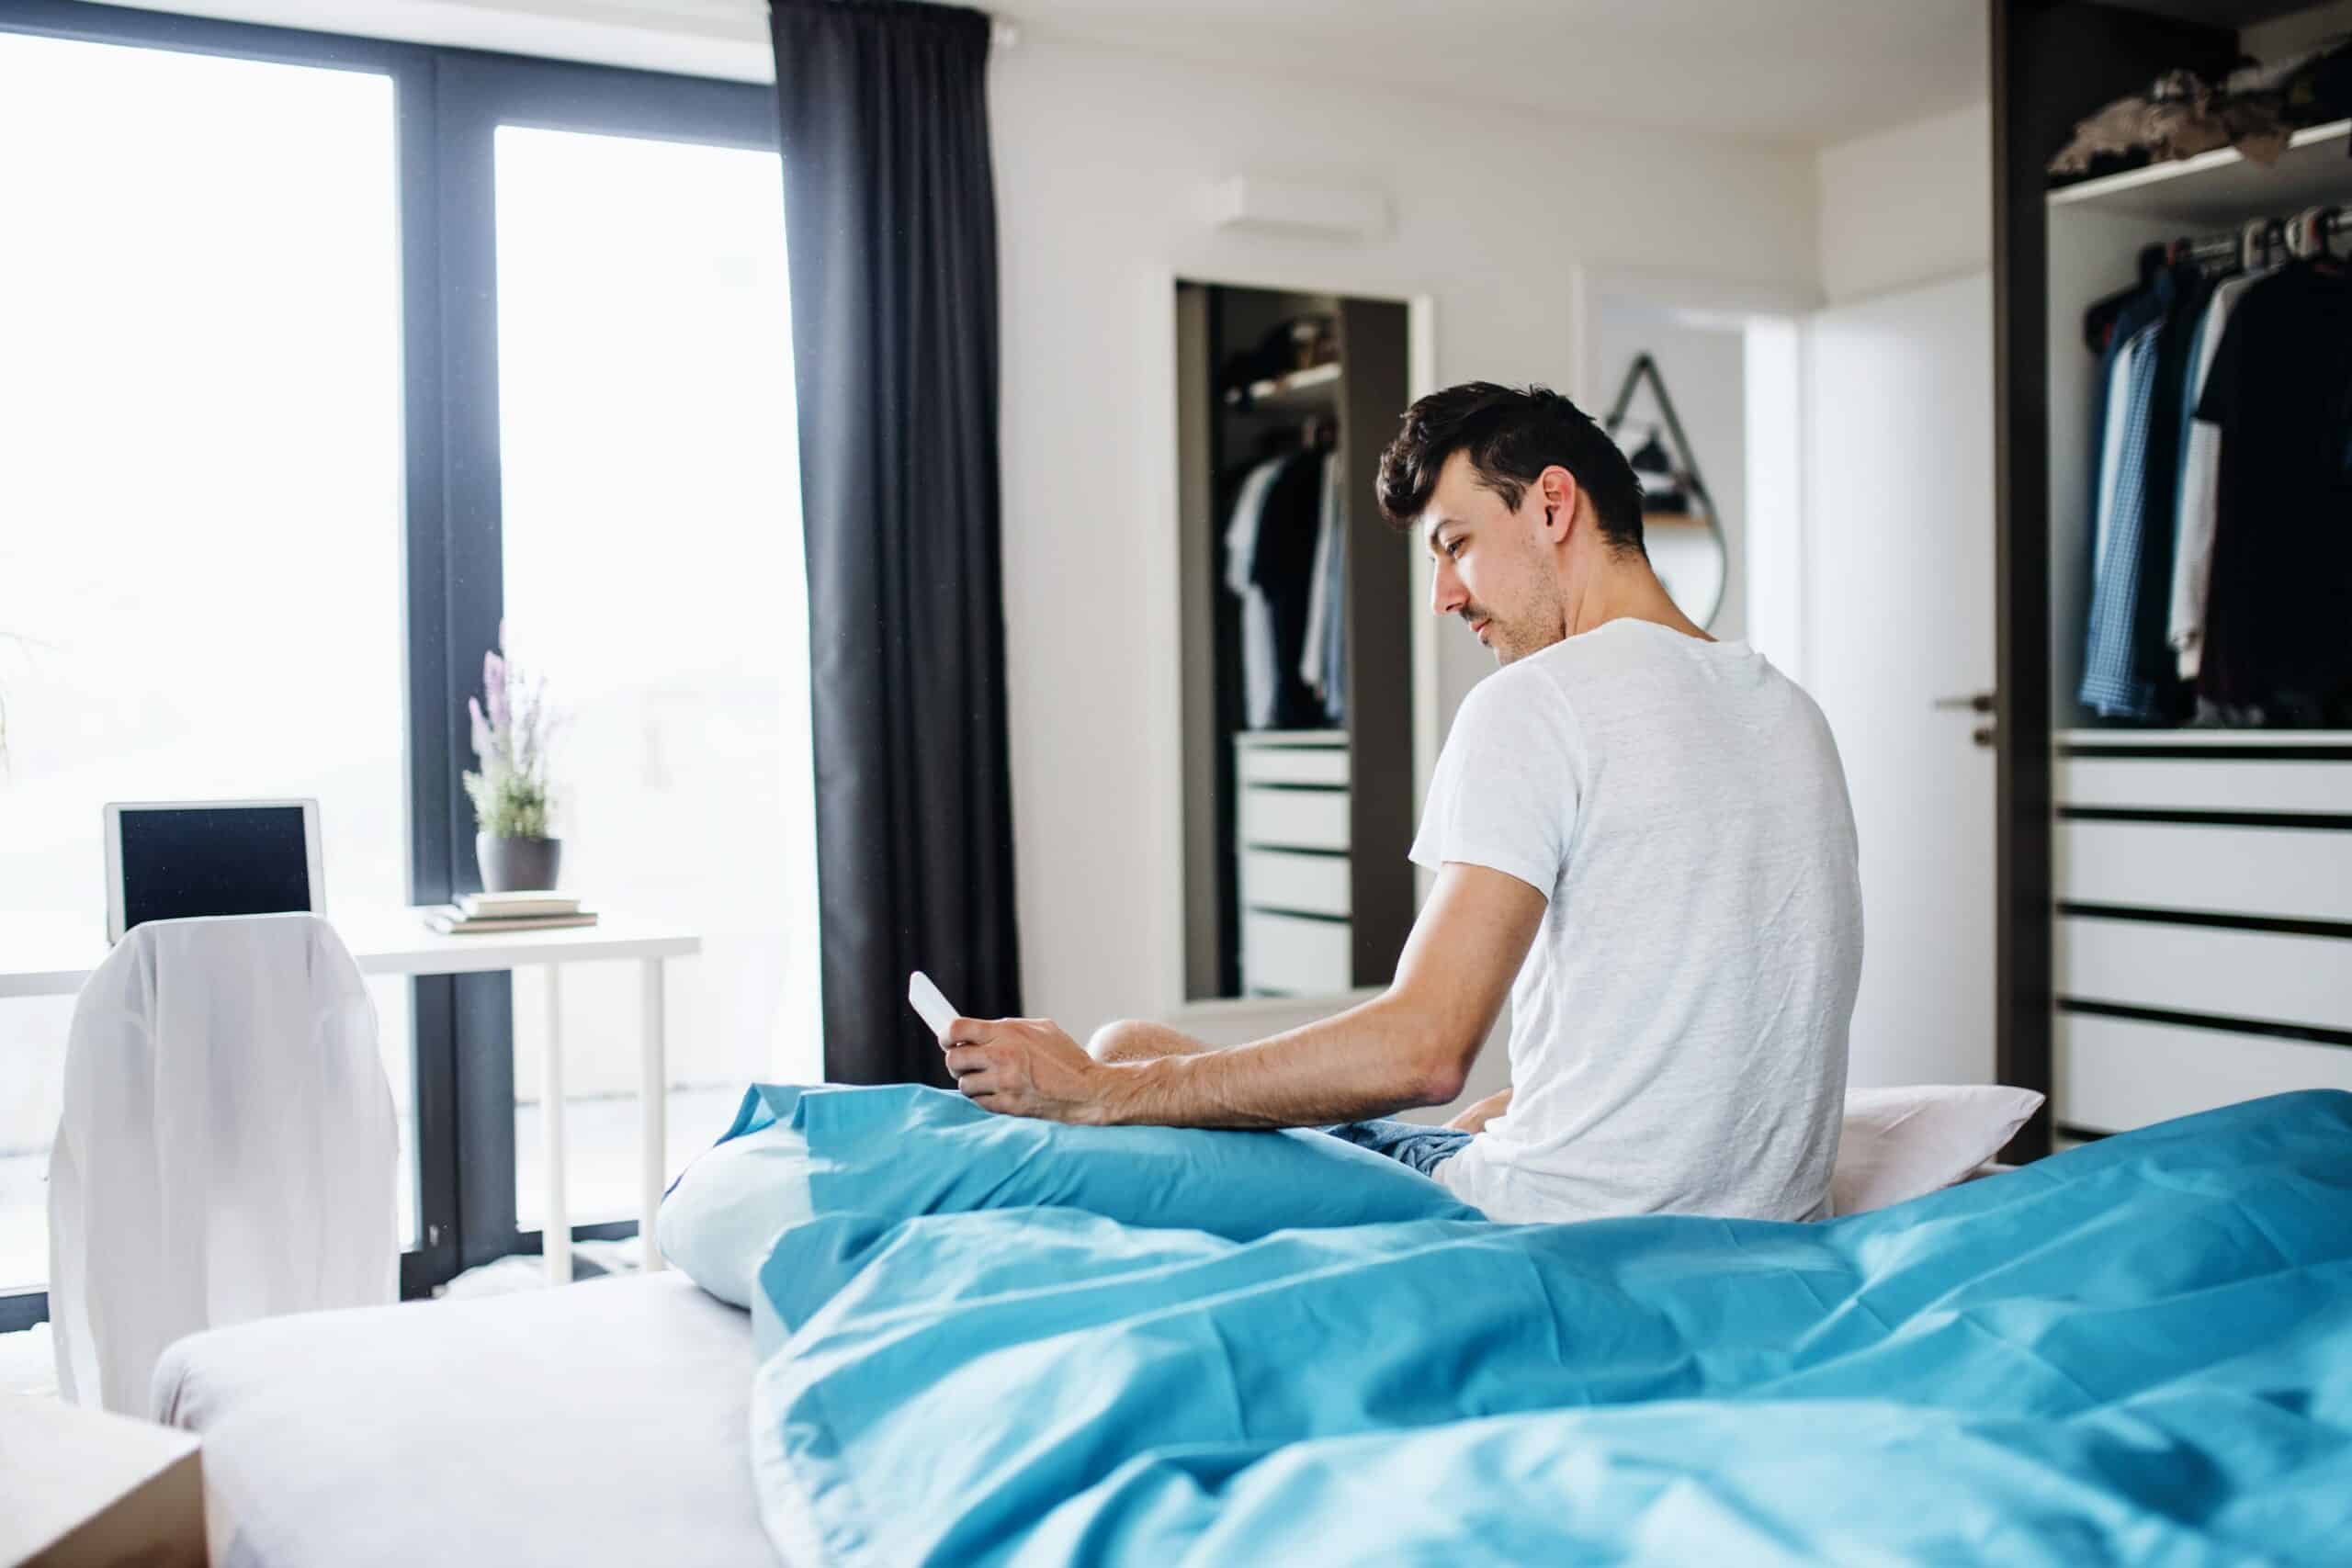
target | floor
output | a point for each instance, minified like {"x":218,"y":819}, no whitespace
{"x":601,"y":1164}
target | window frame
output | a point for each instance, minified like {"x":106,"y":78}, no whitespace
{"x":448,"y":106}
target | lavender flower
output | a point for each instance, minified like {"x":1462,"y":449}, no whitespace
{"x":510,"y":727}
{"x":494,"y":683}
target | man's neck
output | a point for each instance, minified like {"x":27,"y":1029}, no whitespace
{"x":1623,"y":589}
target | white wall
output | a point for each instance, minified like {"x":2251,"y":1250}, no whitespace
{"x":1099,"y":154}
{"x":1907,"y":206}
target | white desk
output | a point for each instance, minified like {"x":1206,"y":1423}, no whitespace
{"x":49,"y":956}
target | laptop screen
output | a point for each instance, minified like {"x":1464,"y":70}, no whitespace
{"x":213,"y":860}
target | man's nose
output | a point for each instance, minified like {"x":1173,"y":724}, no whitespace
{"x":1446,"y":594}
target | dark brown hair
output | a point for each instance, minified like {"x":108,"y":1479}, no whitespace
{"x":1512,"y":435}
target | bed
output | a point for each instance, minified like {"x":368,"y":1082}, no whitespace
{"x":968,"y":1346}
{"x":602,"y":1424}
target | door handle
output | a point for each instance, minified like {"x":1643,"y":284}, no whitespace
{"x":1974,"y":702}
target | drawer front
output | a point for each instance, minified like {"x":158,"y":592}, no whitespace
{"x":1317,"y":883}
{"x":2187,"y":784}
{"x":1294,"y":818}
{"x":2281,"y":873}
{"x":2114,"y":1074}
{"x":2268,"y":976}
{"x":1294,"y":956}
{"x":1292,"y":765}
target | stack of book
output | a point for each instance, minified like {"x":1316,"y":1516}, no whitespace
{"x":509,"y":912}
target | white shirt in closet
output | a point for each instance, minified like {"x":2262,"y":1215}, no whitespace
{"x":1678,"y":1038}
{"x":2200,"y":505}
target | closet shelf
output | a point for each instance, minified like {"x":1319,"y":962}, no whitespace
{"x":2225,"y":186}
{"x":1301,"y":391}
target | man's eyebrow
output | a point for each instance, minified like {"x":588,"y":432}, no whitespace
{"x":1440,"y":525}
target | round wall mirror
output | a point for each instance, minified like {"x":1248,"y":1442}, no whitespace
{"x":1681,"y":526}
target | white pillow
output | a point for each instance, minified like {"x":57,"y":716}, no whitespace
{"x":1899,"y":1144}
{"x":722,"y":1218}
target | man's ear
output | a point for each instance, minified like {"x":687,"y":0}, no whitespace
{"x":1557,"y":488}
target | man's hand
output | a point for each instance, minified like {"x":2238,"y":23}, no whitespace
{"x":1026,"y":1066}
{"x":1476,"y":1118}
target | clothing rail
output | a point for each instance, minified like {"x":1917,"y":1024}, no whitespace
{"x":2230,"y":244}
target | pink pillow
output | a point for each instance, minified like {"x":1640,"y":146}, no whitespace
{"x":1899,"y":1144}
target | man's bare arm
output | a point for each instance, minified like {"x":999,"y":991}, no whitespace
{"x":1412,"y":1045}
{"x":1133,"y":1040}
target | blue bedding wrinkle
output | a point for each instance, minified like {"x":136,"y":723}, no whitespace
{"x":892,"y":1151}
{"x":2139,"y":1350}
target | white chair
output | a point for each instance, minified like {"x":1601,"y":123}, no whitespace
{"x":227,"y":1150}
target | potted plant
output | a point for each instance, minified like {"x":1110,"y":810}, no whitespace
{"x":512,"y":725}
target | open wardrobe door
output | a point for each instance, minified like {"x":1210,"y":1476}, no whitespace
{"x":1899,"y":654}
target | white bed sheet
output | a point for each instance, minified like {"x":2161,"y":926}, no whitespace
{"x":605,"y":1423}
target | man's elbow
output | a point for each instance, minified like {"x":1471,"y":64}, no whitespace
{"x":1439,"y":1079}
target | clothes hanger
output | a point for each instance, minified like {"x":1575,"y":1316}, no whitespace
{"x":2317,"y":221}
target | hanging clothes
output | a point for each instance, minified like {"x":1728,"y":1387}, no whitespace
{"x":2277,"y":629}
{"x":1257,"y":684}
{"x":1325,"y":652}
{"x":2108,"y":686}
{"x":1269,"y":553}
{"x":1334,"y":626}
{"x":2199,"y":496}
{"x":2127,"y":665}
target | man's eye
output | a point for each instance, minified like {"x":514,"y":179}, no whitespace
{"x":1454,"y":549}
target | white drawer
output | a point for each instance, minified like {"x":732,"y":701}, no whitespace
{"x":2219,"y":783}
{"x":2282,"y":873}
{"x":1317,"y":883}
{"x":1299,"y":957}
{"x":1294,"y":818}
{"x":2114,"y":1074}
{"x":2270,"y":976}
{"x":1292,"y":765}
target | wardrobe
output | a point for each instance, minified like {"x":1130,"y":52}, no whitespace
{"x":2174,"y":872}
{"x":1295,"y":627}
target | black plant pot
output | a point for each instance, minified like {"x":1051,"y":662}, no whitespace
{"x":517,"y":865}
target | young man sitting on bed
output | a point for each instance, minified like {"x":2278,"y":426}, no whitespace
{"x":1641,"y":836}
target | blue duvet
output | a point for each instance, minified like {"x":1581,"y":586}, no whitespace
{"x":2137,"y":1351}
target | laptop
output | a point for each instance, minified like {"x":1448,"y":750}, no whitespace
{"x":168,"y":860}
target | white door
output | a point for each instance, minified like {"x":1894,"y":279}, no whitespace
{"x":1898,"y":613}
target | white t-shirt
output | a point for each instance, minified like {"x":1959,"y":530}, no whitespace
{"x":1678,"y":1032}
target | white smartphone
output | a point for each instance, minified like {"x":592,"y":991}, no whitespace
{"x":929,"y":1003}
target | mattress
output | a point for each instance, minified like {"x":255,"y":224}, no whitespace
{"x":603,"y":1423}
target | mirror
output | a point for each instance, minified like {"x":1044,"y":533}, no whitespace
{"x":1681,"y":529}
{"x":1295,"y":616}
{"x":1688,"y":445}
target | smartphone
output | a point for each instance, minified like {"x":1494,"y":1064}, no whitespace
{"x":927,"y":1001}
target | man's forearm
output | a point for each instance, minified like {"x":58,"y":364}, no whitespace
{"x":1133,"y":1040}
{"x":1374,"y":1059}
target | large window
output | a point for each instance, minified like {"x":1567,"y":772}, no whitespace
{"x":650,"y":505}
{"x":200,"y":521}
{"x":319,"y":357}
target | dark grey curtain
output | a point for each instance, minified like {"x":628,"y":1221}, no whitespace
{"x":890,"y":219}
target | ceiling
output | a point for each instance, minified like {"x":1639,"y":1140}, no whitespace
{"x":1796,"y":72}
{"x":1799,"y":72}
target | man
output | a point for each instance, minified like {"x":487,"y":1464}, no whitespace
{"x":1641,"y":836}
